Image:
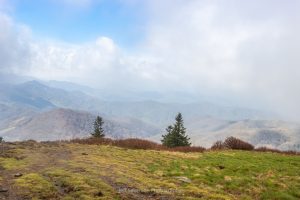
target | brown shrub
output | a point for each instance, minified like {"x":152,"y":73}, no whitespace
{"x":235,"y":143}
{"x":267,"y":149}
{"x":94,"y":141}
{"x":131,"y":143}
{"x":186,"y":149}
{"x":290,"y":152}
{"x":134,"y":143}
{"x":218,"y":145}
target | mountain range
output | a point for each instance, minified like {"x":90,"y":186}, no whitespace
{"x":59,"y":110}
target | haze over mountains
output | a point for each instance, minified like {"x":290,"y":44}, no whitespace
{"x":60,"y":110}
{"x":231,"y":68}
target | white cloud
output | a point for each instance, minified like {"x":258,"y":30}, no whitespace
{"x":65,"y":61}
{"x":100,"y":63}
{"x":14,"y":46}
{"x":247,"y":48}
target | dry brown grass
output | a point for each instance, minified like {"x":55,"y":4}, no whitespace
{"x":135,"y":143}
{"x":235,"y":143}
{"x":266,"y":149}
{"x":93,"y":141}
{"x":187,"y":149}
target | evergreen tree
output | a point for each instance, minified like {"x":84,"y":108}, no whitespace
{"x":167,"y":138}
{"x":176,"y":134}
{"x":98,"y":128}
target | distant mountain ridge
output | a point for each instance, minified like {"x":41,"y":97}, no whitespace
{"x":37,"y":111}
{"x":64,"y":124}
{"x":271,"y":133}
{"x":40,"y":96}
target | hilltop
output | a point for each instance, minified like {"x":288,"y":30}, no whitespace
{"x":64,"y":170}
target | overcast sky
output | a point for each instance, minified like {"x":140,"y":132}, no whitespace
{"x":249,"y":49}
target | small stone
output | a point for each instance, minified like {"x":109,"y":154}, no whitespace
{"x":85,"y":154}
{"x":20,"y":157}
{"x":99,"y":194}
{"x":18,"y":174}
{"x":3,"y":190}
{"x":221,"y":167}
{"x":184,"y":179}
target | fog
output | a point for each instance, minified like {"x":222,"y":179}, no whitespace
{"x":246,"y":52}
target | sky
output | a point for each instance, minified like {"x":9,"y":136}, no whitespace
{"x":245,"y":49}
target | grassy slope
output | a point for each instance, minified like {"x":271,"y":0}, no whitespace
{"x":73,"y":171}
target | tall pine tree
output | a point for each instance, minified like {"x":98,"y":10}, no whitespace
{"x":176,"y":134}
{"x":98,"y":128}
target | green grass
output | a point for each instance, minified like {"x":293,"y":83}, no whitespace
{"x":35,"y":186}
{"x":78,"y":186}
{"x":62,"y":171}
{"x":12,"y":163}
{"x":244,"y":174}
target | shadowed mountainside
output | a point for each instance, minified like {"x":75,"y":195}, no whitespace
{"x":62,"y":124}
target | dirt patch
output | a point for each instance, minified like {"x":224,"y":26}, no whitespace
{"x":45,"y":156}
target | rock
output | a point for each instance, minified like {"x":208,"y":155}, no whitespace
{"x":99,"y":194}
{"x":3,"y":189}
{"x":85,"y":154}
{"x":20,"y":157}
{"x":18,"y":175}
{"x":184,"y":179}
{"x":221,"y":167}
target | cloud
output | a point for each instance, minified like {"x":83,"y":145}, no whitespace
{"x":247,"y":49}
{"x":64,"y":61}
{"x":14,"y":46}
{"x":100,"y":63}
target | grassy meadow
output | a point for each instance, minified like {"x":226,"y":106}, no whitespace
{"x":61,"y":170}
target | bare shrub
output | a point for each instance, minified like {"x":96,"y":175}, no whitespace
{"x":235,"y":143}
{"x":218,"y":145}
{"x":188,"y":149}
{"x":290,"y":152}
{"x":267,"y":149}
{"x":134,"y":143}
{"x":93,"y":141}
